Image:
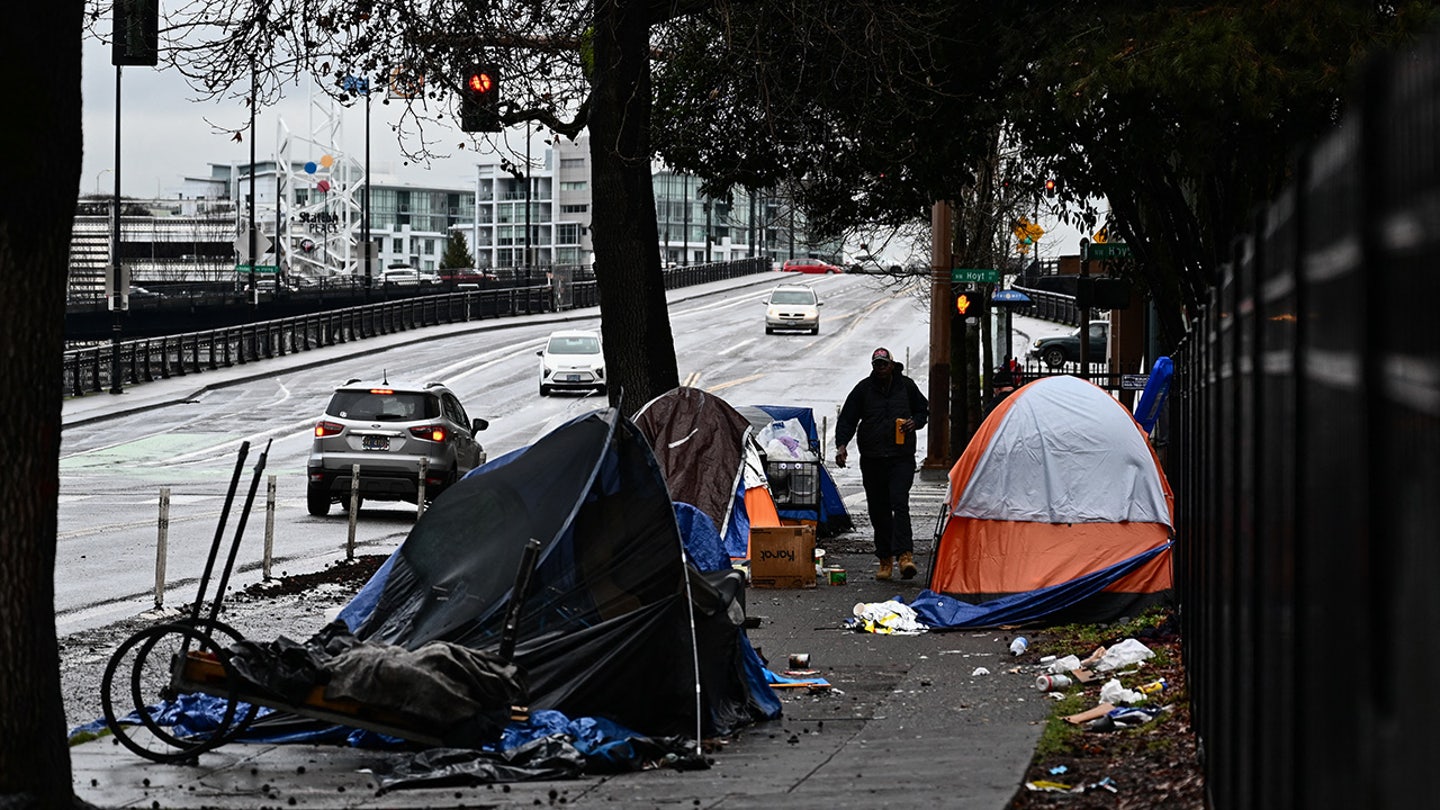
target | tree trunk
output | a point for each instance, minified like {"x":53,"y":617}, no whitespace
{"x":639,"y":346}
{"x":41,"y":175}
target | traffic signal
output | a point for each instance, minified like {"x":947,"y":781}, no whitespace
{"x":480,"y":99}
{"x":136,"y":33}
{"x":969,"y":304}
{"x":1050,"y":187}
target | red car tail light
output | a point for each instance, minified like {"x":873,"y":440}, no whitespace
{"x":323,"y":429}
{"x":434,"y":433}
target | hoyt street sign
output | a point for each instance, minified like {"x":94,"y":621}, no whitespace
{"x":961,"y":275}
{"x":1107,"y":250}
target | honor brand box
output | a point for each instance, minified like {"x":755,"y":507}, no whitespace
{"x":782,"y":557}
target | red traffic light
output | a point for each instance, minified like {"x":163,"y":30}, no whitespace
{"x":1050,"y":186}
{"x":480,"y":82}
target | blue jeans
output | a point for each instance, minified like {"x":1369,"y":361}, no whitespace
{"x":887,"y":481}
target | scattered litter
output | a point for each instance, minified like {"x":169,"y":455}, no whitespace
{"x":1123,"y":654}
{"x":1123,"y":717}
{"x":1080,"y":718}
{"x":979,"y":671}
{"x":801,"y":673}
{"x":1045,"y":659}
{"x":1062,"y":665}
{"x":1058,"y":769}
{"x":1050,"y":683}
{"x":1114,"y":692}
{"x":1019,"y":645}
{"x":1154,"y":687}
{"x":886,"y":618}
{"x":1104,"y":784}
{"x":1047,"y":786}
{"x":1094,"y":658}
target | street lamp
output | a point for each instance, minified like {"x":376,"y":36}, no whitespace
{"x":99,"y":175}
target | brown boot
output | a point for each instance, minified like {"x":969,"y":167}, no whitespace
{"x":907,"y":566}
{"x":886,"y":569}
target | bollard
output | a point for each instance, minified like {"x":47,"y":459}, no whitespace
{"x":354,"y":511}
{"x":269,"y":529}
{"x":420,"y":488}
{"x":162,"y":542}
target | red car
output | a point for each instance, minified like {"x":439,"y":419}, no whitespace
{"x":810,"y":266}
{"x":465,"y":278}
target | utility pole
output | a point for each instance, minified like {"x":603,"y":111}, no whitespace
{"x":942,"y":258}
{"x":254,"y":289}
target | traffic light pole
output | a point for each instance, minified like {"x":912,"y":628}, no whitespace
{"x":117,"y":291}
{"x":1083,"y":299}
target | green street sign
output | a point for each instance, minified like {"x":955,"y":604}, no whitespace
{"x":260,"y":269}
{"x":960,"y":275}
{"x":1107,"y":250}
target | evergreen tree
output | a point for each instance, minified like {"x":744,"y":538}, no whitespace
{"x":457,"y":253}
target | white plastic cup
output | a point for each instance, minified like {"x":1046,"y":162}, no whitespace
{"x":1019,"y":645}
{"x":1047,"y":683}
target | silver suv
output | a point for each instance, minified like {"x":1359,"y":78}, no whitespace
{"x":389,"y":429}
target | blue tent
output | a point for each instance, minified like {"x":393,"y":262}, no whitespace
{"x":829,"y":513}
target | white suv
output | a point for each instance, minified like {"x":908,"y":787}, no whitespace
{"x":792,"y":306}
{"x":572,"y":360}
{"x":389,"y":428}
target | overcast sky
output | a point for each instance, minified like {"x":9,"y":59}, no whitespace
{"x":166,"y":135}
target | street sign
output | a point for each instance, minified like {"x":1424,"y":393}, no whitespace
{"x":1107,"y":250}
{"x":263,"y":245}
{"x":1133,"y":382}
{"x":960,"y":275}
{"x":1010,"y":298}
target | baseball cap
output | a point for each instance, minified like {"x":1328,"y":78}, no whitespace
{"x":881,"y":354}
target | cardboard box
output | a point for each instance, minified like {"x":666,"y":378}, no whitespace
{"x":782,"y":557}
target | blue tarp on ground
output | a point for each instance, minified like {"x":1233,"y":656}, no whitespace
{"x":941,"y":612}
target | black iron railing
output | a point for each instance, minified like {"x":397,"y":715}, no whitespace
{"x":93,"y":369}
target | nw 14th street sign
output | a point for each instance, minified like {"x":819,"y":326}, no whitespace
{"x":960,"y":275}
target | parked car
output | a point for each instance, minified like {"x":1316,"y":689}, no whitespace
{"x":792,"y":306}
{"x":389,"y":428}
{"x":464,"y":278}
{"x":1057,"y":351}
{"x":810,"y":266}
{"x":572,"y":360}
{"x":400,"y":276}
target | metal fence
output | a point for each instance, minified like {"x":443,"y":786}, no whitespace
{"x":1306,"y":457}
{"x":116,"y":365}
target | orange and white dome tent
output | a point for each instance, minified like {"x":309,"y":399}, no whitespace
{"x":1058,"y":508}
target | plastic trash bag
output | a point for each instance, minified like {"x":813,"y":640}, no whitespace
{"x":1124,"y":654}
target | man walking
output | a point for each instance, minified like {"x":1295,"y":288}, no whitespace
{"x":882,"y":413}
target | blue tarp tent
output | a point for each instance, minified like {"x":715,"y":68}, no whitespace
{"x":831,"y":517}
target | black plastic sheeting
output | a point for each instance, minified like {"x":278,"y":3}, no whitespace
{"x":607,"y":628}
{"x":550,"y":747}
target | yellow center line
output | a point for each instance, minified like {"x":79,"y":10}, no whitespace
{"x":722,"y":386}
{"x":690,"y":379}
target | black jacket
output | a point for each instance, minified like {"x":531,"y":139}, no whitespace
{"x":870,"y":411}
